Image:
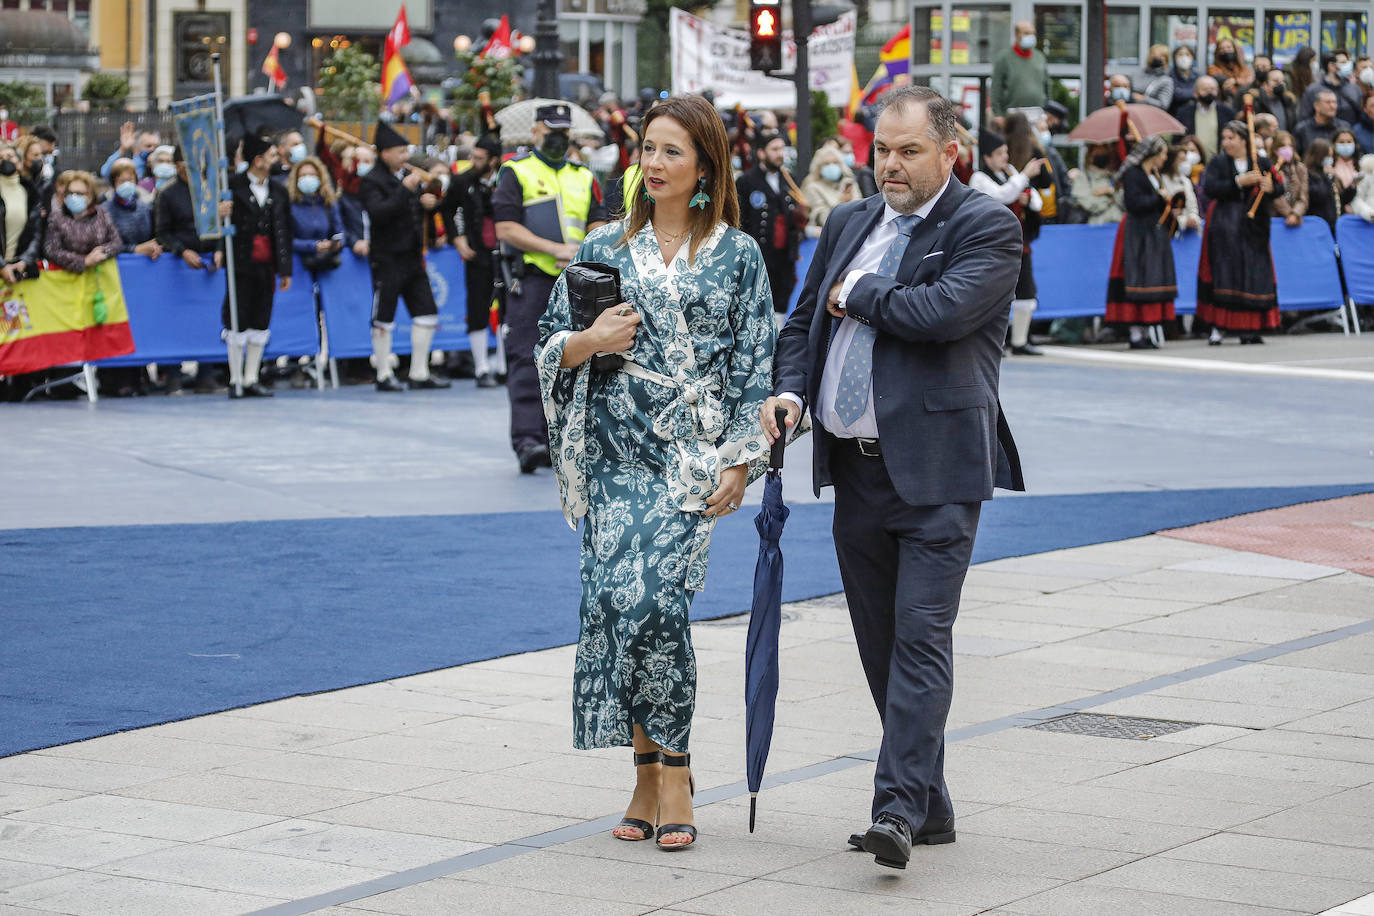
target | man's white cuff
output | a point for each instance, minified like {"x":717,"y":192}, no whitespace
{"x":789,"y":396}
{"x":850,"y":279}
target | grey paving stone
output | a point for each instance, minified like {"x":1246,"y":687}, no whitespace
{"x":1201,"y":783}
{"x":496,"y":733}
{"x":70,"y":847}
{"x":1243,"y":563}
{"x":1050,"y":857}
{"x":764,"y":896}
{"x":1185,"y":646}
{"x":1049,"y":564}
{"x":1064,"y":744}
{"x":1177,"y":585}
{"x":658,"y":885}
{"x":1181,"y":709}
{"x":448,"y":896}
{"x":1000,"y":777}
{"x":1355,"y":654}
{"x":323,"y":709}
{"x":1103,"y":801}
{"x":229,"y":728}
{"x":153,"y":750}
{"x":1306,"y":744}
{"x":1251,"y":886}
{"x":1043,"y":581}
{"x":1353,"y":721}
{"x":1276,"y":684}
{"x":239,"y":793}
{"x":91,"y":894}
{"x":1347,"y":595}
{"x":382,"y":850}
{"x":1331,"y":820}
{"x":718,"y":854}
{"x":473,"y":823}
{"x":1016,"y":630}
{"x":1071,"y":654}
{"x":1244,"y":623}
{"x":1086,"y":900}
{"x":241,"y":871}
{"x":73,"y":773}
{"x":18,"y":797}
{"x":1121,"y":834}
{"x":339,"y":773}
{"x":144,"y":817}
{"x":989,"y":646}
{"x":1283,"y":767}
{"x":537,"y":796}
{"x":424,"y":752}
{"x":14,"y":874}
{"x":1116,"y":609}
{"x":1281,"y":855}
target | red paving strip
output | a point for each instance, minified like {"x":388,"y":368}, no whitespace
{"x":1334,"y":532}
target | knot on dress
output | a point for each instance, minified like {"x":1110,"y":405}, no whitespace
{"x":696,"y":413}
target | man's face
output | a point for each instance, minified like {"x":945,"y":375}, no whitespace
{"x":480,"y":161}
{"x":1325,"y":106}
{"x":148,"y":141}
{"x":266,"y":161}
{"x":47,"y":146}
{"x":1339,"y":62}
{"x":771,"y":155}
{"x":395,"y":157}
{"x":909,"y":164}
{"x":1263,"y":65}
{"x":1206,"y":86}
{"x":1275,"y":81}
{"x":363,"y":155}
{"x":1369,"y":107}
{"x":1023,"y":28}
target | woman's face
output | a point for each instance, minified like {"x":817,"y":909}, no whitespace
{"x":307,"y":169}
{"x":7,"y":154}
{"x":1232,"y":145}
{"x":34,"y":156}
{"x":78,"y":186}
{"x":1226,"y":46}
{"x":669,"y":160}
{"x":1344,"y":136}
{"x":1156,"y":162}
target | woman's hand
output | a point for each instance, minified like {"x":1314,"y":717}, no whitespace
{"x":323,"y":246}
{"x":1250,"y":178}
{"x":729,"y":494}
{"x":612,"y":332}
{"x":95,"y":256}
{"x":1293,"y":219}
{"x":1032,"y":169}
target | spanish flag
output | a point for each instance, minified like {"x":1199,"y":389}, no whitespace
{"x":62,"y":317}
{"x":396,"y":81}
{"x":273,"y":68}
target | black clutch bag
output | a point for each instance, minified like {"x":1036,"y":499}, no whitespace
{"x":592,"y":288}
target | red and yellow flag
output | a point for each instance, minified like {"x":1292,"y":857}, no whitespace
{"x":61,"y":317}
{"x":273,"y":68}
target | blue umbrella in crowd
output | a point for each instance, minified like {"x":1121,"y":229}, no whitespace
{"x":765,"y":620}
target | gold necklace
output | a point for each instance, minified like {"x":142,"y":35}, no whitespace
{"x":665,"y":236}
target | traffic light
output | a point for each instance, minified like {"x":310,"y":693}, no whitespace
{"x":765,"y":35}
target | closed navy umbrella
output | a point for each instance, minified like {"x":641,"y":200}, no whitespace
{"x":765,"y":620}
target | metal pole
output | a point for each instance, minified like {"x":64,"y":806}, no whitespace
{"x":801,"y":31}
{"x":1095,"y":61}
{"x":226,"y":225}
{"x":548,"y":59}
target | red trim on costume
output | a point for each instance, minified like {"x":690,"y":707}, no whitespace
{"x":1229,"y":320}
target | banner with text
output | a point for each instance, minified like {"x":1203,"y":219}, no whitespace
{"x":707,"y":56}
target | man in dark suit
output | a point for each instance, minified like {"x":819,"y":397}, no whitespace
{"x":895,"y":346}
{"x":769,"y":213}
{"x":261,"y":213}
{"x":396,"y":205}
{"x":1205,"y":116}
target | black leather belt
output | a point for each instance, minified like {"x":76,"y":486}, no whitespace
{"x":869,"y":448}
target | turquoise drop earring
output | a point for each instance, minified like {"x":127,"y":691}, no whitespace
{"x":702,"y":198}
{"x":645,"y":193}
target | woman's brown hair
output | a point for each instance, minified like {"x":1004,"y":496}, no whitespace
{"x":326,"y":186}
{"x":699,"y":118}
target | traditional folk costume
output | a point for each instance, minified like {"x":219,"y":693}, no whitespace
{"x":638,"y":450}
{"x":1141,"y":286}
{"x":1236,"y":286}
{"x":1013,"y":188}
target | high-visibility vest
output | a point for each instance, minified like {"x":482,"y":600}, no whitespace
{"x":629,"y":185}
{"x":572,"y":184}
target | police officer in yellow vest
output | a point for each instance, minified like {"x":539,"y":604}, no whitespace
{"x":544,"y":206}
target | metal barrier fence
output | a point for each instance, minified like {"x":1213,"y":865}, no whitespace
{"x":86,"y":139}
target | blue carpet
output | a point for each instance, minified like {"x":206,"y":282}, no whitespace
{"x":107,"y":629}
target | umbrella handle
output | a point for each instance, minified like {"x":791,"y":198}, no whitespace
{"x":775,"y":457}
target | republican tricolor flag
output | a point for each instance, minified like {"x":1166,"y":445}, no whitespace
{"x":396,"y":81}
{"x":894,"y":60}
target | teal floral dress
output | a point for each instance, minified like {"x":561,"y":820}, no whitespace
{"x":638,"y":451}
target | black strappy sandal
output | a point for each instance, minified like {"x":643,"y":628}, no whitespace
{"x":644,"y":827}
{"x":685,"y":760}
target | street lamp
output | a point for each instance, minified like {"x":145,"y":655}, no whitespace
{"x":462,"y":43}
{"x":282,"y":40}
{"x":548,"y":59}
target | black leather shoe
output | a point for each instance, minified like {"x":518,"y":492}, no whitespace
{"x":936,"y":831}
{"x":889,"y":840}
{"x":258,"y":390}
{"x":487,"y":380}
{"x":428,"y":383}
{"x":389,"y":384}
{"x":236,"y":393}
{"x":1144,"y":343}
{"x":1027,"y":350}
{"x":532,"y":457}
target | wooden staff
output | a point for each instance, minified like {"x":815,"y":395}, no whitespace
{"x":1254,"y":153}
{"x":358,"y":141}
{"x":1130,"y":125}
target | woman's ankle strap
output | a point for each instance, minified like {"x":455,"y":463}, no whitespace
{"x":677,"y":760}
{"x":649,"y":758}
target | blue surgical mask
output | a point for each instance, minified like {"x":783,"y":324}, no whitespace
{"x":736,"y":163}
{"x":1345,"y":150}
{"x":126,"y":190}
{"x":1120,"y":93}
{"x":849,"y":159}
{"x":831,"y":171}
{"x":1045,"y":139}
{"x":363,"y":168}
{"x":75,"y":203}
{"x":164,"y":171}
{"x":298,"y":152}
{"x":308,"y":185}
{"x":240,"y":168}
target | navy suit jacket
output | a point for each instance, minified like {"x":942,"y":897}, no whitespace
{"x":941,"y":325}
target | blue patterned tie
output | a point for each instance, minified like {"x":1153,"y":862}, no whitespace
{"x":856,"y":376}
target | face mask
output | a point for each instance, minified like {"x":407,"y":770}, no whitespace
{"x":1345,"y":69}
{"x":1045,"y":138}
{"x":1285,"y":153}
{"x":240,"y":168}
{"x":126,"y":190}
{"x":1367,"y":76}
{"x":8,"y":168}
{"x":1185,"y":62}
{"x":1102,"y":160}
{"x":1227,"y":57}
{"x":1345,"y":150}
{"x":1205,"y":100}
{"x":363,"y":168}
{"x":75,"y":203}
{"x":46,"y":172}
{"x":849,"y":159}
{"x":164,"y":171}
{"x":555,"y":146}
{"x":49,"y":158}
{"x":1027,"y":42}
{"x":308,"y":185}
{"x":1185,"y":168}
{"x":1328,"y":162}
{"x":297,"y":152}
{"x":1122,"y":94}
{"x":831,"y":172}
{"x":1156,"y":63}
{"x":1192,"y":158}
{"x":735,"y":163}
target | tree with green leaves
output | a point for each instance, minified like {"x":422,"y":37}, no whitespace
{"x":106,"y":91}
{"x":498,"y":77}
{"x":825,"y":119}
{"x":349,"y":85}
{"x":27,"y":104}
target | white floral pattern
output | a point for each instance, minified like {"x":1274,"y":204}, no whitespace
{"x":637,"y":452}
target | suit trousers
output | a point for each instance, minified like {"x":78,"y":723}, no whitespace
{"x":254,"y":287}
{"x":478,"y":279}
{"x":903,"y":568}
{"x":527,"y":425}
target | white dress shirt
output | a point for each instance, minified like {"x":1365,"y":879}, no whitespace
{"x":774,"y":180}
{"x":259,"y":188}
{"x":866,"y":261}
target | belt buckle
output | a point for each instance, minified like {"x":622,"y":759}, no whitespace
{"x":865,"y":445}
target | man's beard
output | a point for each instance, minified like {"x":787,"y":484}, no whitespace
{"x":916,"y":193}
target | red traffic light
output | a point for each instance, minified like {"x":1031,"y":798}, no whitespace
{"x":765,"y":23}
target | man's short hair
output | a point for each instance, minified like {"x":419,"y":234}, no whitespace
{"x":45,"y":133}
{"x":1321,"y":93}
{"x":940,"y":111}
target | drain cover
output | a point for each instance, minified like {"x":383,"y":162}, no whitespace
{"x":1096,"y":725}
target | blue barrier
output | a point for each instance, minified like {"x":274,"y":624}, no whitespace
{"x":346,"y":298}
{"x":1356,"y":238}
{"x":174,"y":313}
{"x":1305,"y":264}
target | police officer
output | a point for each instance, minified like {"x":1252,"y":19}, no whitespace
{"x":261,"y":213}
{"x":769,"y":213}
{"x":468,"y":221}
{"x":527,"y":220}
{"x":396,"y":208}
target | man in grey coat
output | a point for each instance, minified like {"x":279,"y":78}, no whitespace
{"x":896,"y":345}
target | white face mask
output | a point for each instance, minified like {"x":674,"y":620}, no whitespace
{"x":1185,"y":62}
{"x":1345,"y":69}
{"x":1027,"y":42}
{"x":1191,"y":158}
{"x":1367,"y":76}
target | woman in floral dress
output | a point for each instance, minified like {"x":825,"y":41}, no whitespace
{"x":654,"y":453}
